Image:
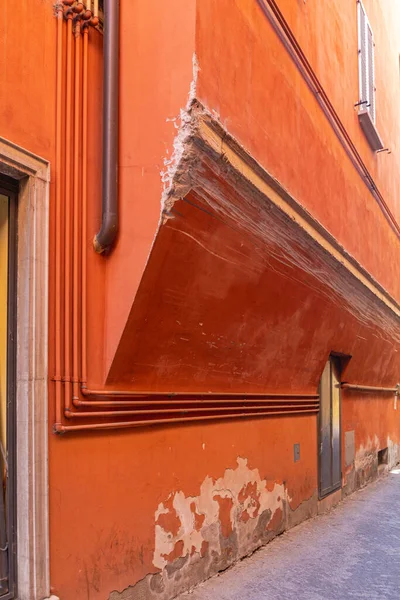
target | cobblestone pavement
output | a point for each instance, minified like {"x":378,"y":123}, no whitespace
{"x":353,"y":552}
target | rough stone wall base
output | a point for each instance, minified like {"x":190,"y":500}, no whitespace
{"x":365,"y":468}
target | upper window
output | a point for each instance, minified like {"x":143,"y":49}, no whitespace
{"x":366,"y":71}
{"x":366,"y":76}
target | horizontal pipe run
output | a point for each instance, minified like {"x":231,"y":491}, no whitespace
{"x":370,"y":388}
{"x":211,"y":395}
{"x":190,"y":400}
{"x":146,"y":411}
{"x":126,"y":424}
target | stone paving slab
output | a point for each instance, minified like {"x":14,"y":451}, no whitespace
{"x":353,"y":552}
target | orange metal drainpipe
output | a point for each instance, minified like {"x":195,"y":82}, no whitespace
{"x":140,"y":398}
{"x":66,"y":379}
{"x":205,"y":395}
{"x":253,"y":405}
{"x":287,"y":408}
{"x":370,"y":388}
{"x":67,"y":274}
{"x":174,"y":420}
{"x":84,"y":202}
{"x":185,"y":403}
{"x":76,"y":207}
{"x":57,"y":378}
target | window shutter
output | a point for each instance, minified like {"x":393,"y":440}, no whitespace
{"x":371,"y":72}
{"x":362,"y":50}
{"x":366,"y":62}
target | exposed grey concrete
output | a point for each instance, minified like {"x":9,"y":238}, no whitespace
{"x":349,"y":447}
{"x":351,"y":552}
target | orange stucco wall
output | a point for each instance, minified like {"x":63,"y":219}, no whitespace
{"x":122,"y":478}
{"x":167,"y":312}
{"x":278,"y":120}
{"x":157,"y":49}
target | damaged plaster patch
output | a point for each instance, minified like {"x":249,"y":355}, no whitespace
{"x":393,"y":453}
{"x":199,"y":536}
{"x":365,"y":468}
{"x":227,"y":506}
{"x":172,"y":186}
{"x":366,"y":460}
{"x":209,"y":163}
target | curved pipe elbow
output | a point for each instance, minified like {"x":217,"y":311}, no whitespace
{"x":105,"y":238}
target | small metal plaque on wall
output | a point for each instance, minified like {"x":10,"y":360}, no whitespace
{"x":296,"y":452}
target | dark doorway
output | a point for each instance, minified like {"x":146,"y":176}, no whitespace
{"x":329,"y":442}
{"x":8,"y":261}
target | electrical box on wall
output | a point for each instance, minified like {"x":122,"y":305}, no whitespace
{"x":296,"y":449}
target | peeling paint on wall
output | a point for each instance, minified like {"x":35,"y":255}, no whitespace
{"x":198,"y":536}
{"x":235,"y":502}
{"x":366,"y":460}
{"x":394,"y":453}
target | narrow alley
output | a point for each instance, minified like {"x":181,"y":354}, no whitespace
{"x":199,"y":300}
{"x":351,"y":552}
